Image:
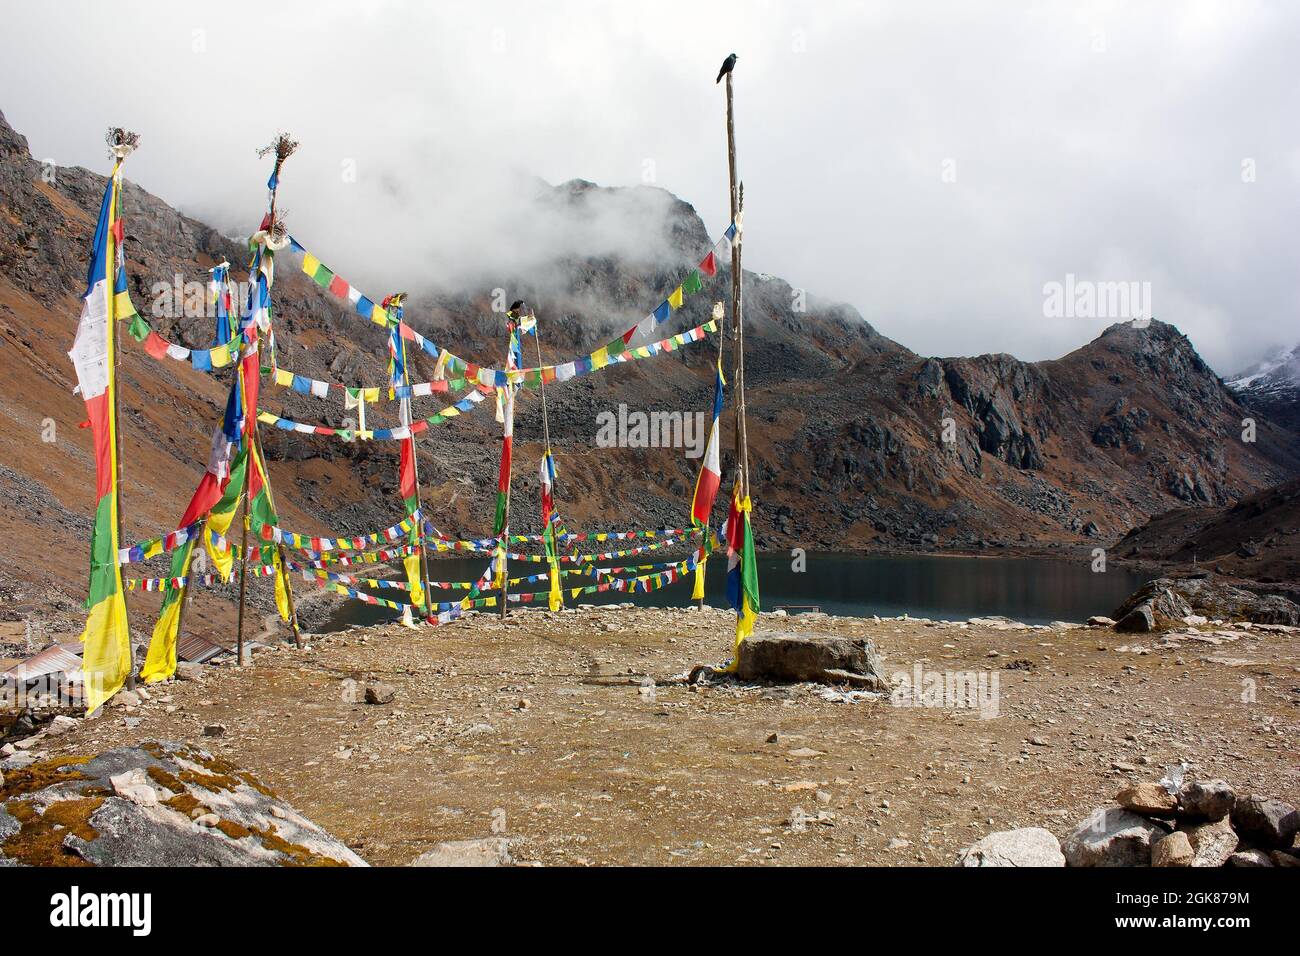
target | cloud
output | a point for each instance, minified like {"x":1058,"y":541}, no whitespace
{"x":934,"y":164}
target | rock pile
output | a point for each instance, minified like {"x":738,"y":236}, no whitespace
{"x":158,"y":804}
{"x":1171,"y":823}
{"x":1170,"y":602}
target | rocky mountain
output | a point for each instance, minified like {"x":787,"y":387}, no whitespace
{"x":1273,"y":387}
{"x":856,"y":442}
{"x":1257,"y":538}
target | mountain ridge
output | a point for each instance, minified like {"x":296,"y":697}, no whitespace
{"x":856,"y":441}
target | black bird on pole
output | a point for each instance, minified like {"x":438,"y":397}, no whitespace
{"x":727,"y":64}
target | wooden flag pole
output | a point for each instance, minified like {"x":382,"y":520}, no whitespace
{"x":737,"y":310}
{"x":505,"y":521}
{"x":120,"y":144}
{"x":243,"y":563}
{"x":415,"y":469}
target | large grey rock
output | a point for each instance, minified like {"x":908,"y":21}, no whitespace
{"x":138,"y":806}
{"x":1212,"y":843}
{"x":1140,"y":620}
{"x":1112,"y":836}
{"x":1205,"y":800}
{"x":1167,"y":601}
{"x":802,"y":656}
{"x":489,"y":851}
{"x":1028,"y":846}
{"x":1266,"y":823}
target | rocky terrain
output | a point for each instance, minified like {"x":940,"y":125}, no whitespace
{"x":849,"y":430}
{"x":1272,"y":387}
{"x":1256,"y":538}
{"x":154,"y":805}
{"x":575,"y":738}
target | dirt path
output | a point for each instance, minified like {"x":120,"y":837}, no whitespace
{"x":540,"y":728}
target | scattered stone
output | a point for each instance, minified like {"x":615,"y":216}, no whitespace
{"x":1028,"y":846}
{"x":60,"y":725}
{"x":1283,"y":858}
{"x":350,"y":691}
{"x":488,"y":851}
{"x":185,"y":670}
{"x":207,"y":820}
{"x":1270,"y":824}
{"x":134,"y":785}
{"x":1205,"y":800}
{"x":1099,"y":620}
{"x":1112,"y":836}
{"x":214,"y":730}
{"x":1212,"y":843}
{"x":1148,"y":798}
{"x":1173,"y":850}
{"x":380,"y":693}
{"x":125,"y":698}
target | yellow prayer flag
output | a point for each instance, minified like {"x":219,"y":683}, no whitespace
{"x":310,"y":264}
{"x":675,"y":300}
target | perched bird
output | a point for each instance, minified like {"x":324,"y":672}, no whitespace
{"x":727,"y":65}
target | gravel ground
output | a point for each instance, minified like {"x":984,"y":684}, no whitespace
{"x":547,"y":729}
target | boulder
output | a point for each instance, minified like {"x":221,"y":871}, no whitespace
{"x":1168,"y":602}
{"x":1266,"y":823}
{"x":1148,"y":798}
{"x":380,"y":693}
{"x":1112,"y":836}
{"x":1212,"y":843}
{"x":488,"y":851}
{"x":1205,"y":800}
{"x":1173,"y":850}
{"x":138,"y":806}
{"x":1028,"y":846}
{"x":1100,"y":620}
{"x":1283,"y":858}
{"x":1140,"y":620}
{"x":798,"y":657}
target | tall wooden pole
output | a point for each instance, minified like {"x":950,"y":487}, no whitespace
{"x":737,"y":308}
{"x":243,"y":564}
{"x":415,"y":473}
{"x":505,"y":521}
{"x":117,"y":390}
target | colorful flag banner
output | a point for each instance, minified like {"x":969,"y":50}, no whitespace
{"x":106,"y":637}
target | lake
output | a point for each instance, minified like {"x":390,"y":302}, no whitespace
{"x":1033,"y":590}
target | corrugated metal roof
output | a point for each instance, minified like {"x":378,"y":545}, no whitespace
{"x":198,"y":650}
{"x":55,"y":659}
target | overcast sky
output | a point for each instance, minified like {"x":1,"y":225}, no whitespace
{"x":934,"y":164}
